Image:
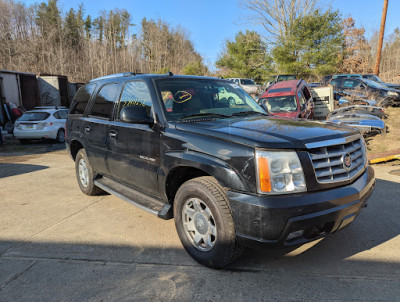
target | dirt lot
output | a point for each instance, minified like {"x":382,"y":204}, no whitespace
{"x":391,"y":140}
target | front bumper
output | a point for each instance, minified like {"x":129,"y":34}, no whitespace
{"x":298,"y":218}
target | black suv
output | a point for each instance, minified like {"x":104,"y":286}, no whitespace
{"x":202,"y":151}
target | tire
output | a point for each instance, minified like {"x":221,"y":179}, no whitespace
{"x":204,"y":222}
{"x":60,"y":136}
{"x":85,"y":175}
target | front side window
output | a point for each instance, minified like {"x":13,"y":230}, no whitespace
{"x":301,"y":98}
{"x":104,"y":102}
{"x":187,"y":98}
{"x":136,"y":94}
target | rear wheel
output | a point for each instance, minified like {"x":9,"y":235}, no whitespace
{"x":60,"y":136}
{"x":204,"y":222}
{"x":84,"y":174}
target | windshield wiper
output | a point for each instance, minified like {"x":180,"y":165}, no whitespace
{"x":250,"y":112}
{"x":205,"y":114}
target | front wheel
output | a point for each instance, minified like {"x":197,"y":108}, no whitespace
{"x":204,"y":222}
{"x":84,"y":174}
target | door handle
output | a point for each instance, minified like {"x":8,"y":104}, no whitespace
{"x":87,"y":129}
{"x":113,"y":134}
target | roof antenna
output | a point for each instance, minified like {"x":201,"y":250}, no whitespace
{"x":169,"y":73}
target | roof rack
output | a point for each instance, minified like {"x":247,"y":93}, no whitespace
{"x":115,"y":75}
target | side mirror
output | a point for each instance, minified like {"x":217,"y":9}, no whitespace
{"x":135,"y":115}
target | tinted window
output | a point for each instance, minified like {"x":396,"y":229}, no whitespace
{"x":82,"y":98}
{"x":62,"y":114}
{"x":34,"y":116}
{"x":136,"y":94}
{"x":104,"y":102}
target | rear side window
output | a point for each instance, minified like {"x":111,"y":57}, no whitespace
{"x":60,"y":115}
{"x":81,"y":99}
{"x":34,"y":116}
{"x":103,"y":103}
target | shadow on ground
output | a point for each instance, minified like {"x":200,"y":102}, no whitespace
{"x":11,"y":169}
{"x":13,"y":147}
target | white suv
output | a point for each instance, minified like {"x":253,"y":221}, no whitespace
{"x":41,"y":123}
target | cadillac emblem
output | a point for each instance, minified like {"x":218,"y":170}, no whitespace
{"x":346,"y":160}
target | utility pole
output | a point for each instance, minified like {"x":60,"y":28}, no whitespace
{"x":381,"y":34}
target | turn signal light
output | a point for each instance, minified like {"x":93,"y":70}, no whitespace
{"x":263,"y":174}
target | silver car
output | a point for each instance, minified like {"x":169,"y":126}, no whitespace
{"x":41,"y":123}
{"x":248,"y":85}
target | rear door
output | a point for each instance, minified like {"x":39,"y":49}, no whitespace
{"x":134,"y":149}
{"x":96,"y":126}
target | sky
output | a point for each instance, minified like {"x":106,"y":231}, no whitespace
{"x":211,"y":22}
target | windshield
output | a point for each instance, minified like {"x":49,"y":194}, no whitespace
{"x":286,"y":78}
{"x":374,"y":84}
{"x":281,"y":104}
{"x":34,"y":116}
{"x":247,"y":82}
{"x":194,"y":98}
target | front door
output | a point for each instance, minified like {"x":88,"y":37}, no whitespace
{"x":134,"y":149}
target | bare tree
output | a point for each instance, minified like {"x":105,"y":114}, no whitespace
{"x":276,"y":17}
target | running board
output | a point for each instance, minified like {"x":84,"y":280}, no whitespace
{"x":142,"y":201}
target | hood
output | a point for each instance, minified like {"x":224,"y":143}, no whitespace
{"x":268,"y":132}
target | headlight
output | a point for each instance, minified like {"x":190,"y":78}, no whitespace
{"x":393,"y":93}
{"x":279,"y":172}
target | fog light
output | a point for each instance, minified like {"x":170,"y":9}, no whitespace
{"x":296,"y":234}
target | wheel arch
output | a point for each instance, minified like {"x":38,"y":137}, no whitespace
{"x":188,"y":165}
{"x":75,"y":146}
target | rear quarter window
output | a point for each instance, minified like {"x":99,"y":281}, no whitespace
{"x":81,"y":99}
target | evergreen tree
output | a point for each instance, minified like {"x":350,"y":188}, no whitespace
{"x":315,"y":47}
{"x":245,"y":57}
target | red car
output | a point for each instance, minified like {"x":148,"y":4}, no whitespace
{"x":289,"y":99}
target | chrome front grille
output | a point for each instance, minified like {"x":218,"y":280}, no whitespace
{"x":331,"y":163}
